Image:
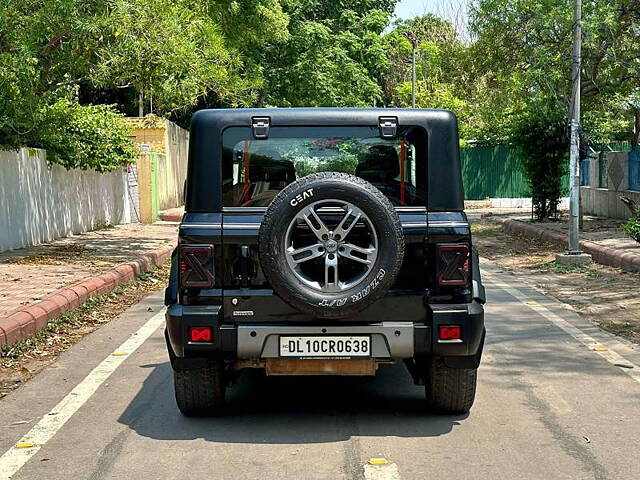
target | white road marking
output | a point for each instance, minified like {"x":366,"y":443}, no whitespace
{"x":381,"y":472}
{"x":15,"y":458}
{"x":587,"y":340}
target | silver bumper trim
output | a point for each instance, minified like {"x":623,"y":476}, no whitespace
{"x":388,"y":339}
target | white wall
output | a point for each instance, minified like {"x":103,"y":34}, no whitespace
{"x":39,"y":204}
{"x":605,"y":202}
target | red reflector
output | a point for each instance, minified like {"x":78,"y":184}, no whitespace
{"x":450,"y":332}
{"x":200,"y":334}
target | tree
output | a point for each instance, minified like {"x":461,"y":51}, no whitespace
{"x":540,"y":136}
{"x":172,"y":53}
{"x":333,"y":57}
{"x":46,"y":49}
{"x":178,"y":54}
{"x":440,"y":68}
{"x":525,"y":47}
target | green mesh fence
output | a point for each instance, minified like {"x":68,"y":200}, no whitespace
{"x":494,"y":172}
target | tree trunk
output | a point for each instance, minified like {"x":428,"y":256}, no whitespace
{"x":631,"y":204}
{"x":635,"y":136}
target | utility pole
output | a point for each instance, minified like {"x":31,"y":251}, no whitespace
{"x":413,"y":75}
{"x":412,"y":37}
{"x":574,"y":255}
{"x":574,"y":161}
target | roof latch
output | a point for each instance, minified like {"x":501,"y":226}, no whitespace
{"x":260,"y":126}
{"x":388,"y":127}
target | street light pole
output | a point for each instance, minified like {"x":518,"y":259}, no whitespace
{"x":574,"y":256}
{"x":413,"y":76}
{"x":574,"y":160}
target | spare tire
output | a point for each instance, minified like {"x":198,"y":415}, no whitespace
{"x":331,"y":244}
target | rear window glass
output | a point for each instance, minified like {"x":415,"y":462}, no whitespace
{"x":254,"y":171}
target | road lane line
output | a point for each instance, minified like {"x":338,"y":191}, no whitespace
{"x":591,"y":343}
{"x":15,"y":458}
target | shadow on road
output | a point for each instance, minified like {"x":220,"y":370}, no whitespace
{"x":292,"y":409}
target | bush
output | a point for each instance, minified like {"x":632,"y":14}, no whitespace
{"x":85,"y":136}
{"x":632,"y":227}
{"x":543,"y":144}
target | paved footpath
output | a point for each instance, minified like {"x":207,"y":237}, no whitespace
{"x":556,"y":400}
{"x":30,"y":274}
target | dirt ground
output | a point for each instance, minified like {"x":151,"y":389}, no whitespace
{"x":22,"y":361}
{"x":608,"y":297}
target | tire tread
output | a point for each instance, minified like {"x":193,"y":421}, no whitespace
{"x":200,"y":391}
{"x":451,"y":390}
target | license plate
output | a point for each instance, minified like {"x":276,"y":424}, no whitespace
{"x":325,"y":346}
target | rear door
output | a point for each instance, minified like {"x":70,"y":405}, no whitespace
{"x":255,"y":170}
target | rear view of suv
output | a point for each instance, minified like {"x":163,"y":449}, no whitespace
{"x":324,"y":242}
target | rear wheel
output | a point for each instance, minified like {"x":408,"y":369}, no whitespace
{"x":450,"y":390}
{"x":200,"y":391}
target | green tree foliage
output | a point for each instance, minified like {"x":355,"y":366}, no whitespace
{"x":182,"y":55}
{"x":334,"y":56}
{"x":45,"y":47}
{"x":178,"y":52}
{"x":522,"y":60}
{"x":523,"y":49}
{"x":540,"y":135}
{"x":85,"y":136}
{"x":441,"y":71}
{"x":632,"y":227}
{"x":168,"y":53}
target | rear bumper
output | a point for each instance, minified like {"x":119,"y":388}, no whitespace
{"x":392,"y":340}
{"x":388,"y":339}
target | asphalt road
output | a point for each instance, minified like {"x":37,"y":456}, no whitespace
{"x":551,"y":404}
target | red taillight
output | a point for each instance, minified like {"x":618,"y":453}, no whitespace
{"x":200,"y":334}
{"x":450,"y":332}
{"x":196,"y":266}
{"x":453,"y":265}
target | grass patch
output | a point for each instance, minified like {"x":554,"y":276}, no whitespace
{"x":60,"y":324}
{"x":556,"y":267}
{"x":483,"y":230}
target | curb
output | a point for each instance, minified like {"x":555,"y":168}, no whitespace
{"x":24,"y":322}
{"x":612,"y":257}
{"x":172,"y":215}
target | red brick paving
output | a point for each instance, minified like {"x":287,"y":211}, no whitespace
{"x":111,"y":257}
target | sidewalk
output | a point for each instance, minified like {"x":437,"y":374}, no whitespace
{"x":39,"y":279}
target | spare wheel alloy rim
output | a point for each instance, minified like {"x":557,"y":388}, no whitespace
{"x":331,"y":245}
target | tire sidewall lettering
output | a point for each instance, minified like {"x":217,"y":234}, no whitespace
{"x":363,"y":293}
{"x":301,"y":197}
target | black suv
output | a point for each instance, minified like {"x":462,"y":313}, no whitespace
{"x":324,"y":242}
